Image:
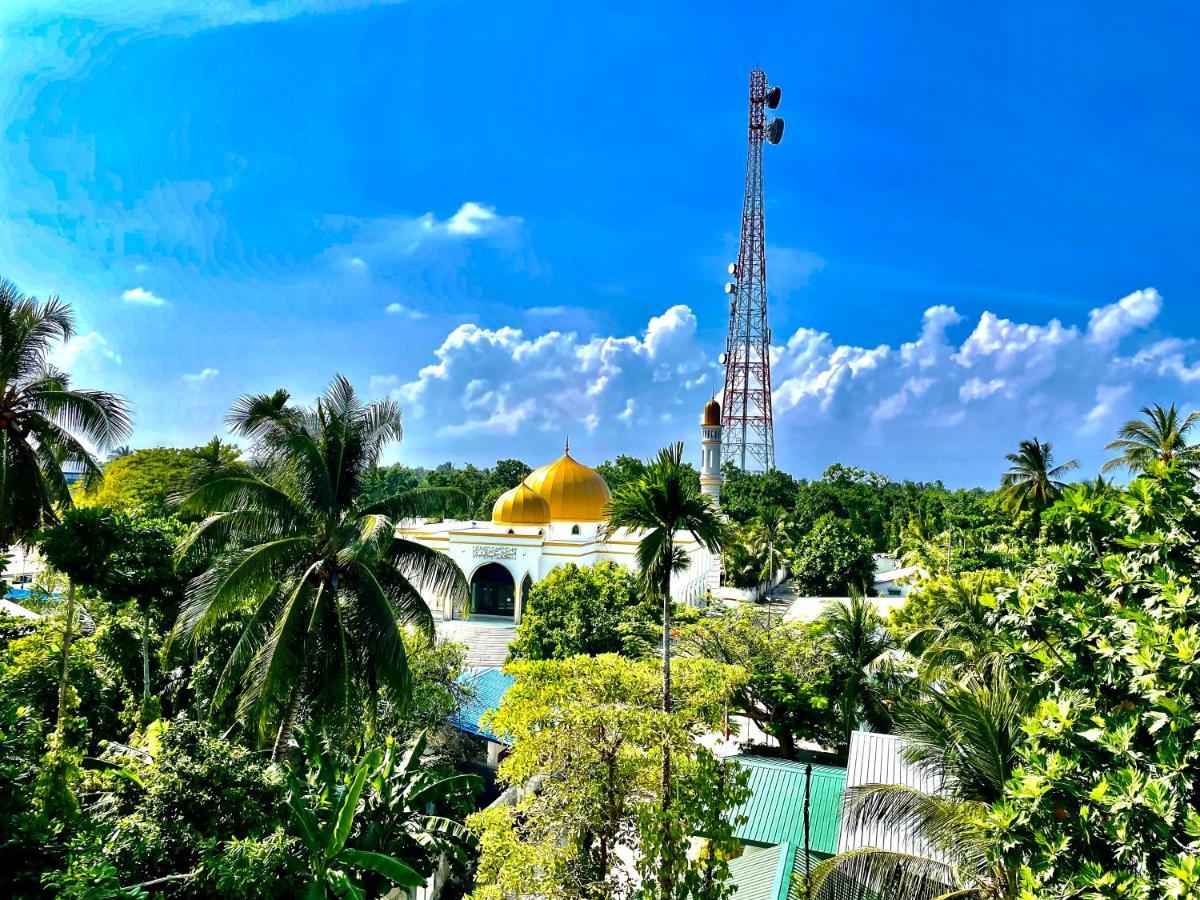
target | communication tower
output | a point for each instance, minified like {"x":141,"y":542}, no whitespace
{"x":749,"y":439}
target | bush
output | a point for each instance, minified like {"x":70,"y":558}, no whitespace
{"x":583,"y":610}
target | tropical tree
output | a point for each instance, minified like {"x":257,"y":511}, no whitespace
{"x":961,"y":740}
{"x":1161,"y":434}
{"x":1033,"y":481}
{"x":957,"y":630}
{"x":80,"y":547}
{"x":587,"y":731}
{"x":663,"y":503}
{"x":585,"y":609}
{"x":292,"y":537}
{"x":1103,"y":802}
{"x":789,"y":682}
{"x":45,"y":424}
{"x":831,"y":560}
{"x":772,"y":528}
{"x":856,"y":639}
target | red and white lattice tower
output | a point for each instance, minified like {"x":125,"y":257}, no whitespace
{"x":749,"y":439}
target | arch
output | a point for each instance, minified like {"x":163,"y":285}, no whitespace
{"x":574,"y":529}
{"x":492,"y":590}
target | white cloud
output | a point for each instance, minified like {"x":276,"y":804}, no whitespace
{"x":1108,"y":398}
{"x":944,"y":404}
{"x":399,"y":236}
{"x":1108,"y":324}
{"x":977,"y":389}
{"x":502,"y":382}
{"x":181,"y":16}
{"x":205,"y":374}
{"x":1167,"y":358}
{"x":139,"y":296}
{"x":83,"y":348}
{"x":399,"y":309}
{"x":547,"y":310}
{"x":471,"y":219}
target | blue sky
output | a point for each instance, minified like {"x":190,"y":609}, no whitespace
{"x":515,"y":218}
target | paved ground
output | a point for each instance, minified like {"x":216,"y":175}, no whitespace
{"x":487,"y":639}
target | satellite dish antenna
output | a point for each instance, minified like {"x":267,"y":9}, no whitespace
{"x":775,"y":131}
{"x":733,"y":268}
{"x":730,"y":288}
{"x":721,"y":359}
{"x":773,"y":96}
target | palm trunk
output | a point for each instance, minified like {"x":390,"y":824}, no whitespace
{"x":667,"y":880}
{"x":63,"y":685}
{"x":283,"y":737}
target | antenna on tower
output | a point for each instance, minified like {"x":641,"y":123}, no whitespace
{"x":749,"y":439}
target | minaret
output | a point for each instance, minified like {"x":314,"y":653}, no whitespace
{"x":710,"y":453}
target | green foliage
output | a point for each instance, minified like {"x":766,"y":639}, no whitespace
{"x":855,"y":639}
{"x":144,"y":481}
{"x":294,"y":540}
{"x":831,"y":560}
{"x":744,"y":494}
{"x":29,"y":675}
{"x":45,"y":423}
{"x":82,"y":544}
{"x":366,"y":825}
{"x":169,"y":810}
{"x":474,"y":490}
{"x":967,"y":732}
{"x":1103,"y":803}
{"x":584,"y":609}
{"x":590,"y":732}
{"x":789,"y":682}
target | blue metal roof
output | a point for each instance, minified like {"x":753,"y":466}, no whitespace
{"x":775,"y":811}
{"x":485,"y":689}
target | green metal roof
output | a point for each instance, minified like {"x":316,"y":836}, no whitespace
{"x":754,"y":874}
{"x":775,"y":811}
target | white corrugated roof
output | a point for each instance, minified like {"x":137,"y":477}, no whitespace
{"x":897,"y":574}
{"x":879,"y":759}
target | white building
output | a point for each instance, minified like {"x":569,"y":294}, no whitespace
{"x":556,"y":516}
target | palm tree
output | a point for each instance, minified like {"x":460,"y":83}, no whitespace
{"x":857,"y":639}
{"x":120,"y":452}
{"x":1159,"y":435}
{"x":662,"y":503}
{"x":44,"y":422}
{"x":963,"y":737}
{"x":292,"y":537}
{"x":1033,"y":482}
{"x":961,"y":633}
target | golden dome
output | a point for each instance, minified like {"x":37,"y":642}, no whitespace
{"x":712,"y":413}
{"x":575,"y":492}
{"x":521,"y":506}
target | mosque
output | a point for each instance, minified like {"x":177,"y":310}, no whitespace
{"x":554,"y":517}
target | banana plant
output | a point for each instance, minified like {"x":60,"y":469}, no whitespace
{"x":406,"y":806}
{"x":324,"y":826}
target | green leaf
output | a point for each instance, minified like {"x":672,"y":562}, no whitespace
{"x":396,"y":871}
{"x":345,"y":816}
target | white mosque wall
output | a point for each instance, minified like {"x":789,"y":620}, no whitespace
{"x":536,"y":551}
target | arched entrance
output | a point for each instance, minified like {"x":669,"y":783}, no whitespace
{"x":492,"y":591}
